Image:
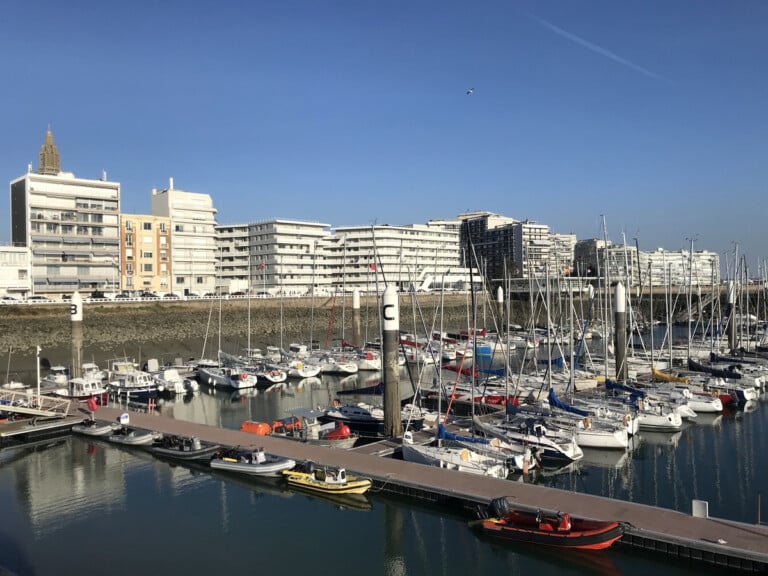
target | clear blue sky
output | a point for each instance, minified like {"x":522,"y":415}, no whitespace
{"x":652,"y":113}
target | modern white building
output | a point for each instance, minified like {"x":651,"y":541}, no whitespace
{"x":418,"y":256}
{"x":699,"y":268}
{"x":69,"y":224}
{"x":272,"y":256}
{"x":15,"y":277}
{"x":193,"y":238}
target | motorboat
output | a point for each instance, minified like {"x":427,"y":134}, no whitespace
{"x":183,"y":448}
{"x":81,"y":389}
{"x":303,"y":425}
{"x":249,"y":461}
{"x":326,"y":480}
{"x":134,"y":385}
{"x":91,"y":427}
{"x":546,"y":529}
{"x":366,"y":419}
{"x":134,"y":436}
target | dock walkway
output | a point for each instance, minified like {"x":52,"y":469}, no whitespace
{"x":722,"y":542}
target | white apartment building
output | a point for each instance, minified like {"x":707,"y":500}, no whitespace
{"x":422,"y":256}
{"x":273,"y":256}
{"x":193,"y":238}
{"x":680,"y":268}
{"x":69,"y":224}
{"x":15,"y":277}
{"x":292,"y":256}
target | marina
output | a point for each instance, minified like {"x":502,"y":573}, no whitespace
{"x":663,"y":531}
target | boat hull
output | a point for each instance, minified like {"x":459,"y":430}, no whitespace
{"x":596,"y":539}
{"x":307,"y":481}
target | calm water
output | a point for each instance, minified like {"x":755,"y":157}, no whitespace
{"x":83,"y":506}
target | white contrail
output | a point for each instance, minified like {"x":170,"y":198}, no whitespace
{"x":595,"y":48}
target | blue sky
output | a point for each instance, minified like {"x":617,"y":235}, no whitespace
{"x":651,"y":113}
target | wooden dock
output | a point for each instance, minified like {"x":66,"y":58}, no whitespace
{"x":720,"y":542}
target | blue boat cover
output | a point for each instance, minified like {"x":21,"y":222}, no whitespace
{"x":443,"y":434}
{"x":555,"y":402}
{"x":612,"y":385}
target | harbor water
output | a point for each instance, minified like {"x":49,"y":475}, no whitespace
{"x":80,"y":505}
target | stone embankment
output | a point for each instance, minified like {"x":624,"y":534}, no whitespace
{"x":156,"y":327}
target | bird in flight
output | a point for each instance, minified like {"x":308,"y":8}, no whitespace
{"x":470,"y":91}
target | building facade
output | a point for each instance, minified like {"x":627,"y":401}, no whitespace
{"x":15,"y":276}
{"x":193,"y":238}
{"x":145,"y":253}
{"x":69,"y":224}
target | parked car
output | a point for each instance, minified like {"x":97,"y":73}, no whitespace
{"x":146,"y":294}
{"x":123,"y":296}
{"x":238,"y":293}
{"x":171,"y":296}
{"x":8,"y":299}
{"x":97,"y":294}
{"x":37,"y":299}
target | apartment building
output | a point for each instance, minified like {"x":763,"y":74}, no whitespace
{"x":70,"y":226}
{"x":15,"y":277}
{"x":193,"y":238}
{"x":145,"y":250}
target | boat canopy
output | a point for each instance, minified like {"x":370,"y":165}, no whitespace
{"x":555,"y":402}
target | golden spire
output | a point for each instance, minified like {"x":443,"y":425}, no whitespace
{"x":49,"y":160}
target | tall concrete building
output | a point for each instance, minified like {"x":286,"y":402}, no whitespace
{"x":193,"y":238}
{"x":69,"y":224}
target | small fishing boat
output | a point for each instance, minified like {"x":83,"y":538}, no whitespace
{"x":558,"y":530}
{"x":326,"y":480}
{"x":134,"y":436}
{"x":249,"y":461}
{"x":91,"y":427}
{"x":183,"y":448}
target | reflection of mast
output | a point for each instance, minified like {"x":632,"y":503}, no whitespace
{"x":224,"y":508}
{"x":394,"y":562}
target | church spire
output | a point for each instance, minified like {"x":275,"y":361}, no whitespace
{"x":49,"y":160}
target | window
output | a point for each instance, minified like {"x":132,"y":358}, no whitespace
{"x":129,"y":253}
{"x":199,"y":280}
{"x":162,"y":227}
{"x":129,"y":268}
{"x":128,"y":225}
{"x":147,"y":267}
{"x":129,"y":239}
{"x":179,"y":279}
{"x":146,"y":254}
{"x":163,"y":241}
{"x":147,"y":240}
{"x":147,"y":225}
{"x":163,"y":268}
{"x":179,"y":228}
{"x":163,"y":255}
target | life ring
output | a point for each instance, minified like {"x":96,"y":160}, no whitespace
{"x":627,"y":419}
{"x":243,"y":376}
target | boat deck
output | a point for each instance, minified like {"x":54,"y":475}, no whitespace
{"x":721,"y":542}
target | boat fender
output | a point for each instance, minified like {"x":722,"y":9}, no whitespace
{"x":587,"y":423}
{"x":627,"y":419}
{"x":499,"y":507}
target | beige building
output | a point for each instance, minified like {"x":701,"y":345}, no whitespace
{"x":145,"y":253}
